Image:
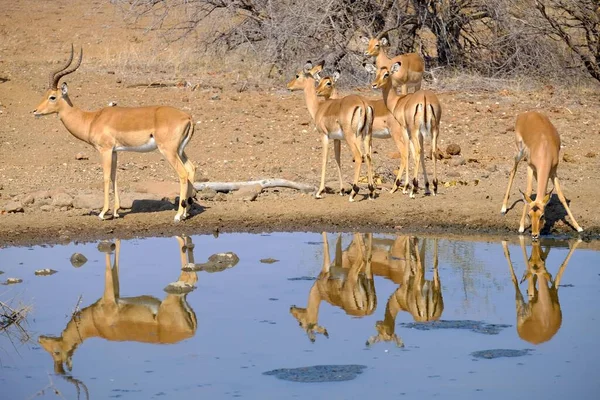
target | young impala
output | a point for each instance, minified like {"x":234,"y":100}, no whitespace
{"x":412,"y":65}
{"x":419,"y":113}
{"x":385,"y":125}
{"x":538,"y":141}
{"x":348,"y":118}
{"x":113,"y":129}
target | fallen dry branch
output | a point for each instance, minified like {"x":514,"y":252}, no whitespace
{"x":264,"y":183}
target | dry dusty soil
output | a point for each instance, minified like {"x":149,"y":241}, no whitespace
{"x":51,"y":183}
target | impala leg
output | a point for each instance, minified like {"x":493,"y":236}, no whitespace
{"x":528,"y":193}
{"x":187,"y":256}
{"x":367,"y":144}
{"x":422,"y":158}
{"x":561,"y":196}
{"x":357,"y":164}
{"x":179,"y":167}
{"x":325,"y":144}
{"x":337,"y":148}
{"x":191,"y":173}
{"x":518,"y":158}
{"x":417,"y":155}
{"x":434,"y":138}
{"x":113,"y":178}
{"x":107,"y":172}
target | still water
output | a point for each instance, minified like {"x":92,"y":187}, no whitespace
{"x":396,"y":316}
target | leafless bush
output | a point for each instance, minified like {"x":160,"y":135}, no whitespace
{"x":495,"y":38}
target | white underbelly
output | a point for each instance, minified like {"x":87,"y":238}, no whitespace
{"x":150,"y":145}
{"x":382,"y":134}
{"x":338,"y":135}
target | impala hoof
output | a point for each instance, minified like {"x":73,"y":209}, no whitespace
{"x":521,"y":230}
{"x":101,"y":216}
{"x":580,"y":230}
{"x":116,"y":215}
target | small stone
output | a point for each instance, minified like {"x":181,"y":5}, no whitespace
{"x":45,"y":272}
{"x":13,"y":207}
{"x":62,"y":200}
{"x":106,"y":246}
{"x":247,"y":193}
{"x":215,"y":97}
{"x":456,"y":162}
{"x":568,"y":158}
{"x":78,"y":259}
{"x":206,"y":194}
{"x":453,"y":149}
{"x":589,"y":154}
{"x":81,"y":156}
{"x":12,"y":281}
{"x":268,"y":260}
{"x":179,"y":287}
{"x":47,"y":208}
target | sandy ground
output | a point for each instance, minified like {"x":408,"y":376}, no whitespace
{"x":245,"y":132}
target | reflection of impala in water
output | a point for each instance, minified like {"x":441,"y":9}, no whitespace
{"x":346,"y":283}
{"x":540,"y":318}
{"x":140,"y":319}
{"x":420,"y":297}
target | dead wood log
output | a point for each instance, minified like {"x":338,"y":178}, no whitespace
{"x":264,"y":183}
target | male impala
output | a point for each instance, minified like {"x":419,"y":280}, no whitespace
{"x":419,"y":113}
{"x":113,"y":129}
{"x":537,"y":139}
{"x":412,"y":65}
{"x":141,"y":319}
{"x":349,"y":119}
{"x":385,"y":125}
{"x":540,"y":318}
{"x":420,"y":297}
{"x":351,"y":288}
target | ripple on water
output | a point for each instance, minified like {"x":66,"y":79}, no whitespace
{"x":318,"y":373}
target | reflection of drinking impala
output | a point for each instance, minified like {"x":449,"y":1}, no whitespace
{"x":540,"y":318}
{"x":420,"y":297}
{"x":140,"y":319}
{"x":344,"y":283}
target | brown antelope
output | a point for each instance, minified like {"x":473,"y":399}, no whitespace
{"x":352,"y":288}
{"x":420,"y":297}
{"x":385,"y":125}
{"x":538,"y":141}
{"x":113,"y":129}
{"x":412,"y":65}
{"x":141,"y":319}
{"x":419,"y":113}
{"x":348,"y":118}
{"x":539,"y":319}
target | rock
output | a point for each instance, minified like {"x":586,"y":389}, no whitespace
{"x":220,"y":197}
{"x":13,"y":207}
{"x":12,"y":281}
{"x":78,"y":259}
{"x":179,"y":287}
{"x":88,"y":201}
{"x":590,"y":154}
{"x":247,"y":193}
{"x":568,"y":158}
{"x":491,"y":168}
{"x":47,"y":208}
{"x":206,"y":194}
{"x":453,"y":174}
{"x":268,"y":260}
{"x":453,"y":149}
{"x":28,"y":200}
{"x":220,"y":262}
{"x":106,"y":246}
{"x":81,"y":156}
{"x":62,"y":200}
{"x":45,"y":272}
{"x":456,"y":162}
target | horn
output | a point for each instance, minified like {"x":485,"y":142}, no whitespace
{"x":51,"y":84}
{"x":60,"y":74}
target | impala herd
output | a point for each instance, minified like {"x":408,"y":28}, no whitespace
{"x":407,"y":118}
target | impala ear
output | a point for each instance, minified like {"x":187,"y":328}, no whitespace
{"x":336,"y":75}
{"x":64,"y":89}
{"x":526,"y":198}
{"x":317,"y":77}
{"x":548,"y":196}
{"x":370,"y":68}
{"x":395,"y":68}
{"x":307,"y":67}
{"x":364,"y":39}
{"x":384,"y":41}
{"x":69,"y":362}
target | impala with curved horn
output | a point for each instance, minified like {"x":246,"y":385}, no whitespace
{"x":537,"y":140}
{"x":113,"y":129}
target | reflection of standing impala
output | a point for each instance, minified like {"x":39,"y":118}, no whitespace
{"x":113,"y":129}
{"x":141,"y":319}
{"x":540,"y":318}
{"x":352,"y":288}
{"x":420,"y":297}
